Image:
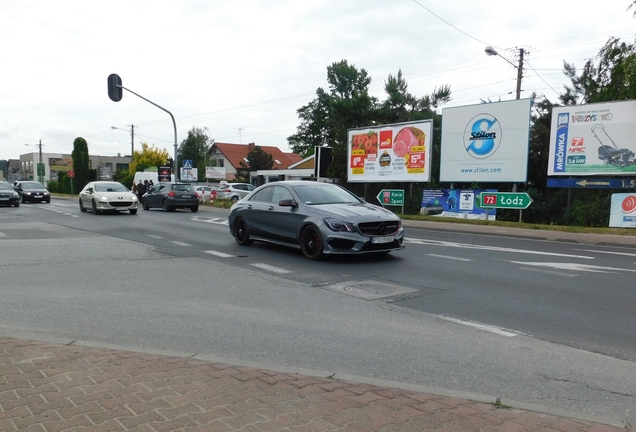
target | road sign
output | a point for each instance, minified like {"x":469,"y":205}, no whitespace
{"x":506,"y":200}
{"x":187,"y":164}
{"x":41,"y":169}
{"x":70,"y":173}
{"x":392,"y":197}
{"x":593,"y":183}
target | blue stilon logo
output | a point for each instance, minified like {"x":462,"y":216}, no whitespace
{"x":482,"y":136}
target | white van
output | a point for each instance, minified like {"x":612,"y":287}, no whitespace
{"x":149,"y":175}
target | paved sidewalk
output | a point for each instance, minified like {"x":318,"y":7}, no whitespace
{"x":54,"y":387}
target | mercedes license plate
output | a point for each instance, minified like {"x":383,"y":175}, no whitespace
{"x":385,"y":239}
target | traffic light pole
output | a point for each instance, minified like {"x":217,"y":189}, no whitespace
{"x":114,"y":82}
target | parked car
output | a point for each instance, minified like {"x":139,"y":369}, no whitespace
{"x":32,"y":191}
{"x":317,"y":218}
{"x":107,"y":196}
{"x":235,"y":191}
{"x":8,"y":195}
{"x":171,"y":196}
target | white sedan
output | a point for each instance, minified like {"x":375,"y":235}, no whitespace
{"x":107,"y":196}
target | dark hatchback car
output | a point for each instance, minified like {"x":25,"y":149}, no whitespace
{"x":317,"y":218}
{"x":32,"y":191}
{"x":171,"y":196}
{"x":8,"y":196}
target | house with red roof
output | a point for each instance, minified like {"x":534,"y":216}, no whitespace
{"x":226,"y":158}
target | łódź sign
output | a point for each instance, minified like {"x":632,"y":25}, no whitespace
{"x":391,"y":197}
{"x":505,"y":200}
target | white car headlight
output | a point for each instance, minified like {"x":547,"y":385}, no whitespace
{"x":338,"y":225}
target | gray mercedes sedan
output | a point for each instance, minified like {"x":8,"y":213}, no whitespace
{"x":317,"y":218}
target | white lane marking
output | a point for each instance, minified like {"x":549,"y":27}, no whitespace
{"x":449,"y":257}
{"x":62,"y":212}
{"x":485,"y":327}
{"x":178,"y":243}
{"x":154,"y":236}
{"x":608,"y":252}
{"x":271,"y":268}
{"x":218,"y":221}
{"x":219,"y":254}
{"x":573,"y":266}
{"x":2,"y":234}
{"x":550,"y":272}
{"x":490,"y":248}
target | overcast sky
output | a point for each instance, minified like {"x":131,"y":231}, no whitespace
{"x":242,"y":68}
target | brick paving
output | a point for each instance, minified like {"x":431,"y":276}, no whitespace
{"x":48,"y":387}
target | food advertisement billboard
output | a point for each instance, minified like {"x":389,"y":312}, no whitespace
{"x":623,"y":210}
{"x":486,"y":142}
{"x":593,"y":139}
{"x":398,"y":152}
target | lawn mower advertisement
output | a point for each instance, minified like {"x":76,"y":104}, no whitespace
{"x":594,"y":139}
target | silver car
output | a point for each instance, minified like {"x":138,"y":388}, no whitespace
{"x":317,"y":218}
{"x":234,"y":191}
{"x":110,"y":196}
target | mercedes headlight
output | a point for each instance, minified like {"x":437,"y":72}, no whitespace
{"x":338,"y":225}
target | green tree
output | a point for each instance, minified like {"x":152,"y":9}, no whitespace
{"x":325,"y":120}
{"x":149,"y":156}
{"x":4,"y":164}
{"x":610,"y":77}
{"x":81,"y":163}
{"x":258,"y":159}
{"x":195,"y":148}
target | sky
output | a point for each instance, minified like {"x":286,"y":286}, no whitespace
{"x":242,"y":68}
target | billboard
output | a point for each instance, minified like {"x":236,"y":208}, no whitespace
{"x":594,"y":139}
{"x":486,"y":142}
{"x":398,"y":152}
{"x":458,"y":203}
{"x":623,"y":210}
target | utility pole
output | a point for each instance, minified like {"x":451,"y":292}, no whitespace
{"x":132,"y":140}
{"x":40,"y":165}
{"x":520,"y":72}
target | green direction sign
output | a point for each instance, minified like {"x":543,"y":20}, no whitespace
{"x":41,"y":169}
{"x":391,"y":197}
{"x":506,"y":200}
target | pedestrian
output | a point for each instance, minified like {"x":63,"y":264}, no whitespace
{"x":133,"y":189}
{"x":140,"y":190}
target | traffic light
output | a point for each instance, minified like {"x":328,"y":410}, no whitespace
{"x":115,"y":91}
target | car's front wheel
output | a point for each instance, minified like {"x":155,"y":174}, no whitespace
{"x":235,"y":199}
{"x":241,"y":233}
{"x":23,"y":200}
{"x":133,"y":211}
{"x":17,"y":204}
{"x":82,"y":208}
{"x":165,"y":206}
{"x":311,"y":243}
{"x":94,"y":207}
{"x":144,"y":205}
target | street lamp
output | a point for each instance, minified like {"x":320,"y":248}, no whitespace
{"x":207,"y":150}
{"x":132,"y":138}
{"x":492,"y":52}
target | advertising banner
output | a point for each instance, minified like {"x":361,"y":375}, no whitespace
{"x":623,"y":211}
{"x":105,"y":172}
{"x":486,"y":142}
{"x":214,"y":172}
{"x":398,"y":152}
{"x":593,"y":139}
{"x":189,"y":175}
{"x":458,"y":203}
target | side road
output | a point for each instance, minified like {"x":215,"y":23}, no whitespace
{"x":62,"y":386}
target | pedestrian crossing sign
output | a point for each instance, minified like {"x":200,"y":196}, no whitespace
{"x":187,"y":164}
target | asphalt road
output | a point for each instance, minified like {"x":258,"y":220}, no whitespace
{"x":178,"y":281}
